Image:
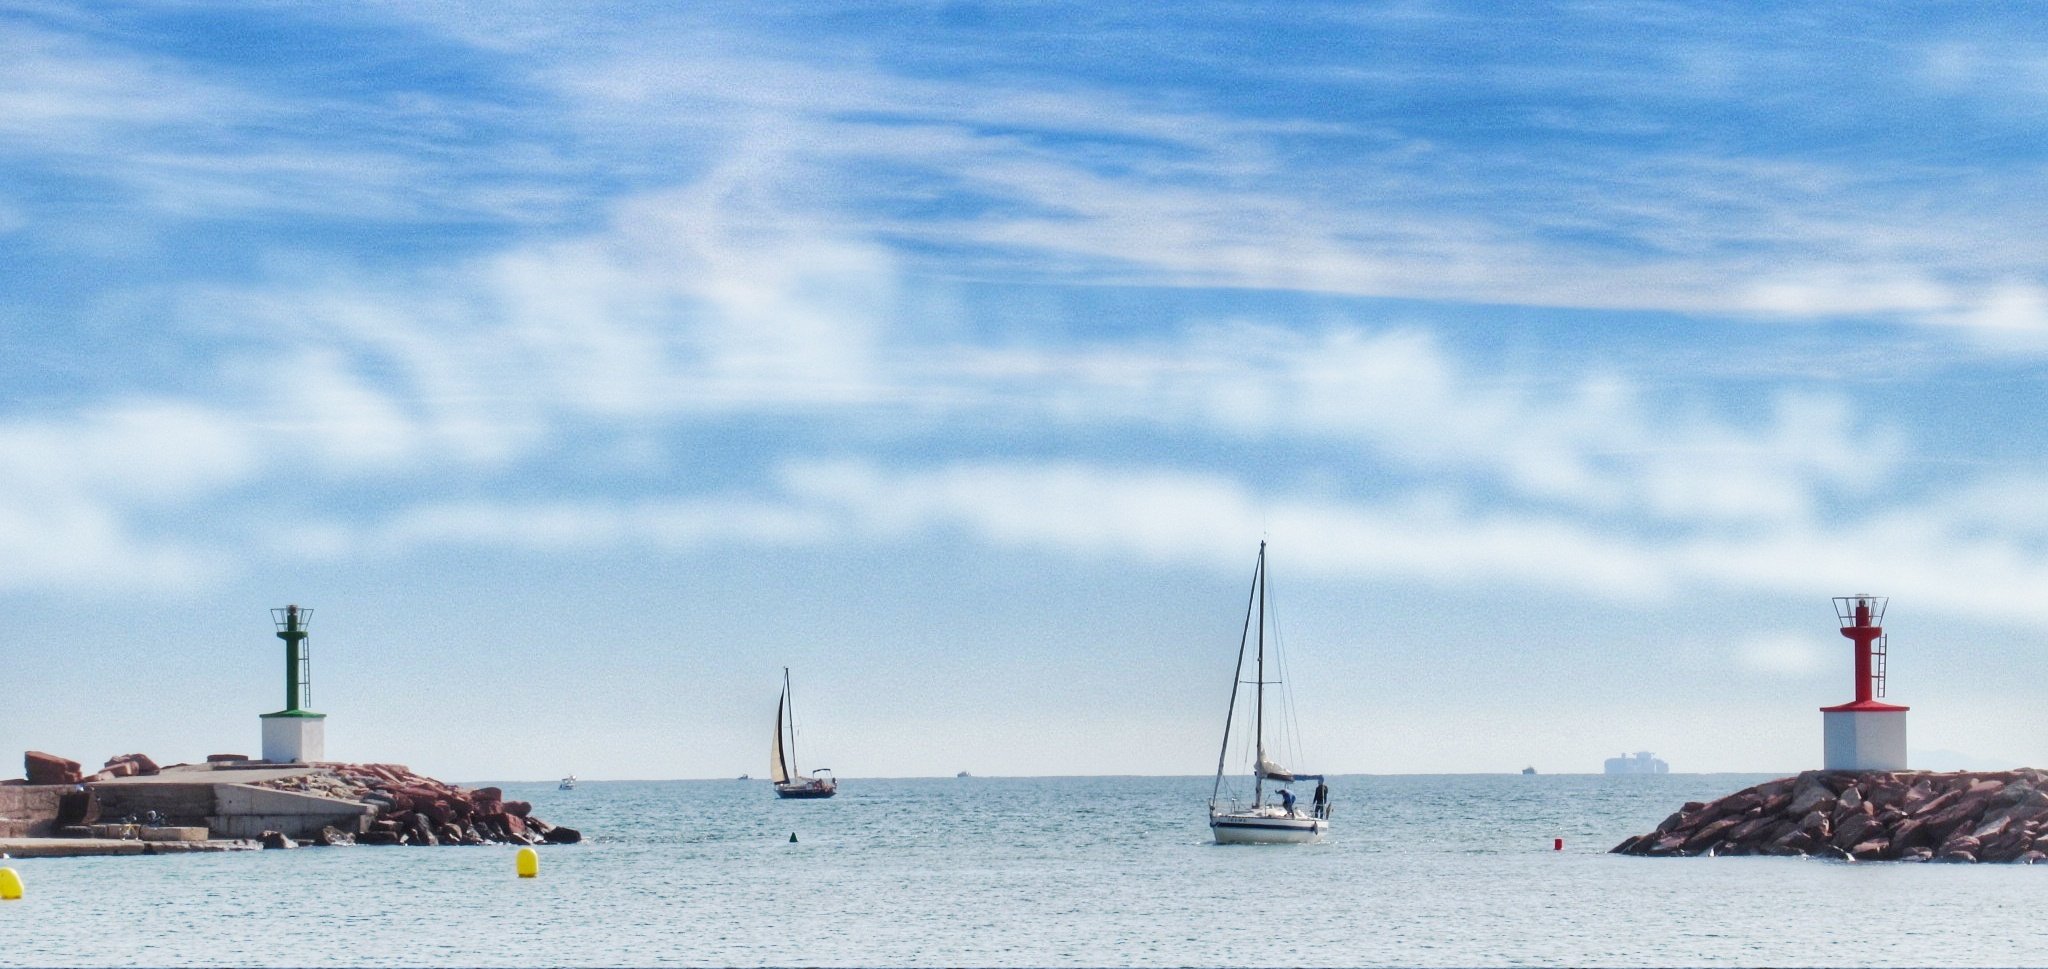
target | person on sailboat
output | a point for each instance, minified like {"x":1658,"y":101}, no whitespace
{"x":1287,"y":801}
{"x":1322,"y":800}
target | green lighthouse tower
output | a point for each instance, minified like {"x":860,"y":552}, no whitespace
{"x":295,"y":735}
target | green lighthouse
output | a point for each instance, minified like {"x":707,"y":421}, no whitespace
{"x":295,"y":734}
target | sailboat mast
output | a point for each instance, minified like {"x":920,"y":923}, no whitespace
{"x":1236,"y":681}
{"x":790,"y":696}
{"x":1259,"y":714}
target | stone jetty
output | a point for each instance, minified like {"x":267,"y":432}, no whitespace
{"x":232,"y":801}
{"x":1867,"y":816}
{"x":413,"y":809}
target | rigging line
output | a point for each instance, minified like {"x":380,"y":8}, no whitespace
{"x":1237,"y":673}
{"x":1291,"y":711}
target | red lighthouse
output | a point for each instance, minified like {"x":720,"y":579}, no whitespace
{"x":1865,"y":733}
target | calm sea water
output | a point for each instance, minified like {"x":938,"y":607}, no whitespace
{"x":1451,"y":870}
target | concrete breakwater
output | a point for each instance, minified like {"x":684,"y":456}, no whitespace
{"x":1867,"y":816}
{"x":231,"y":798}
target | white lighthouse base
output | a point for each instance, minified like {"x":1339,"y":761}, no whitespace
{"x":294,"y":738}
{"x":1864,"y":739}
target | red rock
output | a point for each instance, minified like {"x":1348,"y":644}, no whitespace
{"x":1808,"y":794}
{"x":1747,"y":830}
{"x":514,"y":825}
{"x":563,"y":836}
{"x":487,"y":794}
{"x":423,"y":831}
{"x":121,"y":769}
{"x":1705,"y":837}
{"x":518,"y":808}
{"x":42,"y":768}
{"x":143,"y":765}
{"x":377,"y":838}
{"x":1871,"y":850}
{"x":1816,"y":824}
{"x":1858,"y":828}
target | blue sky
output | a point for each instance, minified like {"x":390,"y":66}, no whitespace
{"x":584,"y":365}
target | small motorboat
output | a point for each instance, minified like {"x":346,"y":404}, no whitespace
{"x":568,"y":783}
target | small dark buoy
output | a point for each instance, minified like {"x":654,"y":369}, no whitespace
{"x":1557,"y":844}
{"x":792,"y":837}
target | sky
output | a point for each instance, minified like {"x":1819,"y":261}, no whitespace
{"x":584,"y":365}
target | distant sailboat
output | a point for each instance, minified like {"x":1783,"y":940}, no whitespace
{"x":1262,"y":822}
{"x":782,"y":769}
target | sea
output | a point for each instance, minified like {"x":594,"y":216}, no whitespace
{"x":1076,"y":871}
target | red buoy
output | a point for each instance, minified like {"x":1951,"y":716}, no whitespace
{"x":1557,"y":844}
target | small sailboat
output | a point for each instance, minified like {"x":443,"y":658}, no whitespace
{"x":782,"y":769}
{"x":1277,"y":821}
{"x":568,"y":783}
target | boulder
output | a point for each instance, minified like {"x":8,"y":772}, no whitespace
{"x":377,"y":838}
{"x":1920,"y":793}
{"x":423,"y":831}
{"x":1940,"y":802}
{"x":562,"y":836}
{"x":333,"y":837}
{"x":123,"y":768}
{"x":487,"y":794}
{"x":1808,"y":794}
{"x":518,"y":808}
{"x":1816,"y":823}
{"x":143,"y":765}
{"x":1858,"y":828}
{"x":42,"y":768}
{"x":1871,"y":850}
{"x":276,"y":839}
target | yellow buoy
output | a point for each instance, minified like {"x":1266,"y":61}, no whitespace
{"x":10,"y":884}
{"x":529,"y":863}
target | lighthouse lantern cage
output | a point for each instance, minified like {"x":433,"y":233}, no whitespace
{"x":291,"y":627}
{"x":1873,"y":615}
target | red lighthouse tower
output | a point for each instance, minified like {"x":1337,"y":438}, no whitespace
{"x":1865,"y":733}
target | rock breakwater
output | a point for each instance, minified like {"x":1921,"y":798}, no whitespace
{"x":1867,"y":816}
{"x":413,"y":809}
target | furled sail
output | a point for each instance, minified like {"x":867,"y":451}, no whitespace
{"x":1274,"y":772}
{"x":777,"y":773}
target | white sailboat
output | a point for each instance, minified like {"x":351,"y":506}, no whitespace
{"x":1262,"y":822}
{"x":789,"y":781}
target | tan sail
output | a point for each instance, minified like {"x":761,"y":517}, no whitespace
{"x":777,"y":772}
{"x":1272,"y":771}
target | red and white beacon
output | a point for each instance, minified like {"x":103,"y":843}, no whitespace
{"x":1865,"y":733}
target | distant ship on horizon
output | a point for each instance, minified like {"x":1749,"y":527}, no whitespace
{"x":1528,"y":770}
{"x":1640,"y":762}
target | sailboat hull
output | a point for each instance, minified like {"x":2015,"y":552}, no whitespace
{"x":1253,"y":829}
{"x":806,"y":791}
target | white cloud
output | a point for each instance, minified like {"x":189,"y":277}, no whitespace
{"x":73,"y":493}
{"x":1782,"y":654}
